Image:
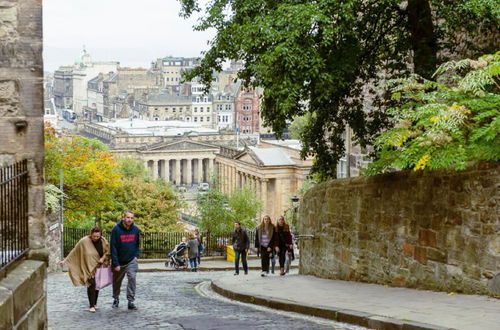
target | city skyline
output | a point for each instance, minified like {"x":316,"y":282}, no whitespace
{"x":108,"y":35}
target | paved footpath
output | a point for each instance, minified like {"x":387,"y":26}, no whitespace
{"x":369,"y":305}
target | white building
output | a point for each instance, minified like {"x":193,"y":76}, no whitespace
{"x":84,"y":71}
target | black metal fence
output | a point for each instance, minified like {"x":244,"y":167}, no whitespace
{"x":155,"y":245}
{"x":13,"y":212}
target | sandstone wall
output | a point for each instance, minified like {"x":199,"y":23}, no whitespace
{"x":22,"y":284}
{"x":437,"y":230}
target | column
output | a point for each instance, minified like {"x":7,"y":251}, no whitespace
{"x":167,"y":170}
{"x":162,"y":169}
{"x":146,"y":166}
{"x":189,"y":173}
{"x":178,"y":172}
{"x":200,"y":170}
{"x":263,"y":193}
{"x":155,"y":169}
{"x":210,"y":168}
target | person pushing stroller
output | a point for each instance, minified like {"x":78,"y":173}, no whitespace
{"x":178,"y":257}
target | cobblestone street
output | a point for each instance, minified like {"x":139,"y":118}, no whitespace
{"x":165,"y":301}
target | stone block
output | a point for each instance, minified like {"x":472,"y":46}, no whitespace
{"x":10,"y":105}
{"x":427,"y":237}
{"x":36,"y":318}
{"x":26,"y":282}
{"x":436,"y":255}
{"x":6,"y":309}
{"x":408,"y":250}
{"x":421,"y":254}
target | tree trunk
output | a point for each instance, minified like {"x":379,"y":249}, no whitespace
{"x":423,"y":37}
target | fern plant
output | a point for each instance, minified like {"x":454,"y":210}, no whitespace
{"x":444,"y":124}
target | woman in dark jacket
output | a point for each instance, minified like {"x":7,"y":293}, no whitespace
{"x":284,"y":242}
{"x":265,"y":242}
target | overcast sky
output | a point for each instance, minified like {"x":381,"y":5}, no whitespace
{"x":131,"y":32}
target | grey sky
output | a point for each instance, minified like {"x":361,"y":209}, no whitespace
{"x":131,"y":32}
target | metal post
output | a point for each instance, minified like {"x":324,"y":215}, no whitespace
{"x":61,"y":218}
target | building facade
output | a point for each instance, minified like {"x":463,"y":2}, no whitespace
{"x":247,"y":111}
{"x":274,"y":171}
{"x":63,"y":87}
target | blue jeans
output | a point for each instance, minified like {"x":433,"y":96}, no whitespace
{"x":192,"y":262}
{"x":237,"y":255}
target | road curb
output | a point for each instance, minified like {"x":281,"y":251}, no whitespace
{"x":336,"y":314}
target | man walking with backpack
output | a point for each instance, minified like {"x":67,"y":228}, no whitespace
{"x":124,"y":253}
{"x":241,"y":243}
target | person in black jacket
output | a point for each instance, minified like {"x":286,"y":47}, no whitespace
{"x":241,"y":243}
{"x":284,"y":242}
{"x":124,"y":254}
{"x":265,"y":242}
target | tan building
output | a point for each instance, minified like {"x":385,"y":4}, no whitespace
{"x":273,"y":169}
{"x":166,"y":107}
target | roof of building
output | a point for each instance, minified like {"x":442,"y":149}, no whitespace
{"x":294,"y":144}
{"x":272,"y":156}
{"x":165,"y":99}
{"x":158,"y":127}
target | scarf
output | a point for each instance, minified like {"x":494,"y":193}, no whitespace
{"x":83,"y":260}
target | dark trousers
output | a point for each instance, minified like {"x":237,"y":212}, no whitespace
{"x":265,"y":256}
{"x":92,"y":293}
{"x":282,"y":256}
{"x":237,"y":255}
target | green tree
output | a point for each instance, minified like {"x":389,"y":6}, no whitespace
{"x":446,"y":124}
{"x":318,"y":56}
{"x":132,"y":168}
{"x":218,"y":211}
{"x":298,"y":126}
{"x":155,"y":206}
{"x":90,"y":175}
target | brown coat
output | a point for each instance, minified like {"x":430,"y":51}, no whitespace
{"x":83,"y":260}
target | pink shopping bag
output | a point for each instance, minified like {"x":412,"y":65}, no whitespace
{"x":103,"y":277}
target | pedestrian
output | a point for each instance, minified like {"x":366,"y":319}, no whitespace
{"x":124,"y":254}
{"x":197,"y":234}
{"x":265,"y":242}
{"x":284,"y":242}
{"x":83,"y":260}
{"x":193,"y":245}
{"x":241,"y":244}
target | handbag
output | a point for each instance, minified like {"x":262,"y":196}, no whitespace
{"x":103,"y":277}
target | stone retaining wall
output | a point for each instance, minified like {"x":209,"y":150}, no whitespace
{"x":431,"y":230}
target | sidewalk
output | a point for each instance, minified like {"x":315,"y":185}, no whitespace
{"x":369,"y":305}
{"x":207,"y":264}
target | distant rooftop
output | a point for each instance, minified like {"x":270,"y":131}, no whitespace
{"x":158,"y":127}
{"x":272,"y":156}
{"x":294,"y":144}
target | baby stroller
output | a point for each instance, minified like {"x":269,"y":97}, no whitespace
{"x":176,"y":257}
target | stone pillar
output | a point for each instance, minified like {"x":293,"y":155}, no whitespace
{"x":178,"y":172}
{"x":189,"y":173}
{"x":210,"y":169}
{"x":263,"y":194}
{"x":200,"y":170}
{"x":146,"y":165}
{"x":155,"y":169}
{"x":162,"y":169}
{"x":167,"y":170}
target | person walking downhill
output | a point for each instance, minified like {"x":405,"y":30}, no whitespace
{"x":197,"y":234}
{"x":124,"y":254}
{"x":193,"y":245}
{"x":265,"y":241}
{"x":284,"y":242}
{"x":241,"y":244}
{"x":83,"y":260}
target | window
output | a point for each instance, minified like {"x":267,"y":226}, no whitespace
{"x":208,"y":109}
{"x":195,"y":119}
{"x":218,"y":119}
{"x":201,"y":119}
{"x":219,"y":107}
{"x":197,"y":100}
{"x":173,"y":110}
{"x":180,"y":109}
{"x":229,"y":106}
{"x":201,"y":109}
{"x":208,"y":119}
{"x":227,"y":97}
{"x":247,"y":107}
{"x":156,"y":118}
{"x":205,"y":99}
{"x":195,"y":109}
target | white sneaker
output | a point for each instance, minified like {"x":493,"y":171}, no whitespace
{"x":92,"y":309}
{"x":263,"y":274}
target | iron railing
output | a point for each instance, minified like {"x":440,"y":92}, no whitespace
{"x":13,"y":212}
{"x":155,"y":245}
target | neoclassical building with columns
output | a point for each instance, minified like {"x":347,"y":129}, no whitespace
{"x":182,"y":161}
{"x":273,"y":169}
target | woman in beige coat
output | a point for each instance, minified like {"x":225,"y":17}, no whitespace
{"x":88,"y":254}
